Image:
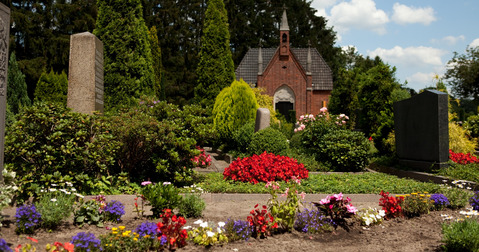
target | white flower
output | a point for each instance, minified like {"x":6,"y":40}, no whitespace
{"x":53,"y":184}
{"x":54,"y":200}
{"x":73,"y":190}
{"x":219,"y":230}
{"x":187,"y":227}
{"x":166,"y":183}
{"x":204,"y":224}
{"x":69,"y":184}
{"x":79,"y":195}
{"x":53,"y":190}
{"x":210,"y":234}
{"x":221,"y":224}
{"x":382,"y":213}
{"x":198,"y":222}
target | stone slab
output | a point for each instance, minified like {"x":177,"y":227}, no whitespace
{"x":4,"y":42}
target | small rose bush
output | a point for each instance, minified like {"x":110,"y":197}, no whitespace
{"x":265,"y":167}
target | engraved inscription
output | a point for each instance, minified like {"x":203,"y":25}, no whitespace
{"x":3,"y":58}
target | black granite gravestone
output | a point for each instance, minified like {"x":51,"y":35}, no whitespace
{"x":421,"y":128}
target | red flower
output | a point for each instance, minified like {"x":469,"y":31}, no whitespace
{"x":32,"y":239}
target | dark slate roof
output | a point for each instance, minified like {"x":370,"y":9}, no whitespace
{"x":321,"y":73}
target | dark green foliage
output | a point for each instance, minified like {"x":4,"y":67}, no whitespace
{"x":156,"y":56}
{"x":269,"y":140}
{"x":461,"y":235}
{"x":161,"y":196}
{"x":215,"y":69}
{"x":49,"y":141}
{"x":52,"y":88}
{"x":234,"y":107}
{"x":128,"y":62}
{"x":463,"y":77}
{"x":41,"y":34}
{"x":242,"y":137}
{"x":345,"y":150}
{"x":17,"y":96}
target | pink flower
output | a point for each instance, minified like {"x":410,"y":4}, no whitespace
{"x":338,"y":196}
{"x":323,"y":110}
{"x":351,"y":209}
{"x":302,"y":194}
{"x":285,"y":193}
{"x":325,"y":201}
{"x":144,"y":183}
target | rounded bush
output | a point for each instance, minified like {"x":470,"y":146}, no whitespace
{"x":242,"y":137}
{"x":265,"y":167}
{"x":345,"y":150}
{"x":268,"y":140}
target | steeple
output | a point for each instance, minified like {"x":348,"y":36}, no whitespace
{"x":260,"y":60}
{"x":284,"y":37}
{"x":309,"y":60}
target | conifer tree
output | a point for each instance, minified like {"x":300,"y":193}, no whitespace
{"x":215,"y":69}
{"x":156,"y":55}
{"x":17,"y":96}
{"x":128,"y":64}
{"x":52,"y":88}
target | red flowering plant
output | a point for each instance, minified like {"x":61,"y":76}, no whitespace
{"x":59,"y":247}
{"x":261,"y":221}
{"x":202,"y":160}
{"x":391,"y":205}
{"x":171,"y":233}
{"x":264,"y":168}
{"x":461,"y":158}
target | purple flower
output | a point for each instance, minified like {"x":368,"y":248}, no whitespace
{"x":4,"y":246}
{"x":440,"y":200}
{"x":114,"y":210}
{"x":86,"y":242}
{"x":27,"y":218}
{"x":474,"y":201}
{"x":147,"y":228}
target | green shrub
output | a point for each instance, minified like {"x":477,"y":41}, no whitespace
{"x":161,"y":196}
{"x":50,"y":139}
{"x":269,"y":140}
{"x":234,"y":106}
{"x":7,"y":190}
{"x":472,"y":125}
{"x":55,"y":207}
{"x":461,"y":235}
{"x":346,"y":150}
{"x":242,"y":137}
{"x":154,"y":145}
{"x":458,"y":198}
{"x":52,"y":88}
{"x":88,"y":213}
{"x":191,"y":206}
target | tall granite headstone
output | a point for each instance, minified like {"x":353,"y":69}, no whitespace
{"x":4,"y":39}
{"x":85,"y":75}
{"x":262,"y":119}
{"x":421,"y":128}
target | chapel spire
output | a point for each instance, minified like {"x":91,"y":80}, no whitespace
{"x":284,"y":37}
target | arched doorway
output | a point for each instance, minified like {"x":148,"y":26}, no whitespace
{"x":284,"y":101}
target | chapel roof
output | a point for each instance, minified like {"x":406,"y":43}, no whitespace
{"x":320,"y":71}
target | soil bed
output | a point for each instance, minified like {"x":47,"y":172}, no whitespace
{"x":416,"y":234}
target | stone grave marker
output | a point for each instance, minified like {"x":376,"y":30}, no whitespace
{"x":262,"y":119}
{"x":421,"y":129}
{"x":85,"y":75}
{"x":4,"y":39}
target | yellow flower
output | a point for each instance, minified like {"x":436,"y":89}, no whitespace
{"x":135,"y":239}
{"x":146,"y":236}
{"x":114,"y":229}
{"x":407,"y":195}
{"x":126,"y":233}
{"x":422,"y":195}
{"x":413,"y":193}
{"x":121,"y":227}
{"x":114,"y":232}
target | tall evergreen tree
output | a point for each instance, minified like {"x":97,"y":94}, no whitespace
{"x":128,"y":63}
{"x":215,"y":69}
{"x":156,"y":55}
{"x":52,"y":88}
{"x":17,"y":96}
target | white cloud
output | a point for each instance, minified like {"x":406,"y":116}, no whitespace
{"x":474,"y":43}
{"x":359,"y":14}
{"x":449,"y":40}
{"x":423,"y":78}
{"x":410,"y":15}
{"x":410,"y":56}
{"x":322,"y":5}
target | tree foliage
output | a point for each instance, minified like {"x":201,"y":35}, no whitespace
{"x":52,"y":88}
{"x":215,"y":69}
{"x":156,"y":56}
{"x":128,"y":63}
{"x":17,"y":96}
{"x":463,"y":74}
{"x":234,"y":106}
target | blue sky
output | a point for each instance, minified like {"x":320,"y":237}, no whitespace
{"x":418,"y":37}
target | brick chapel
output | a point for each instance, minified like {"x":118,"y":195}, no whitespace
{"x":297,"y":78}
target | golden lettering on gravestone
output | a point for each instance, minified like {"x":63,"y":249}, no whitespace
{"x":3,"y":58}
